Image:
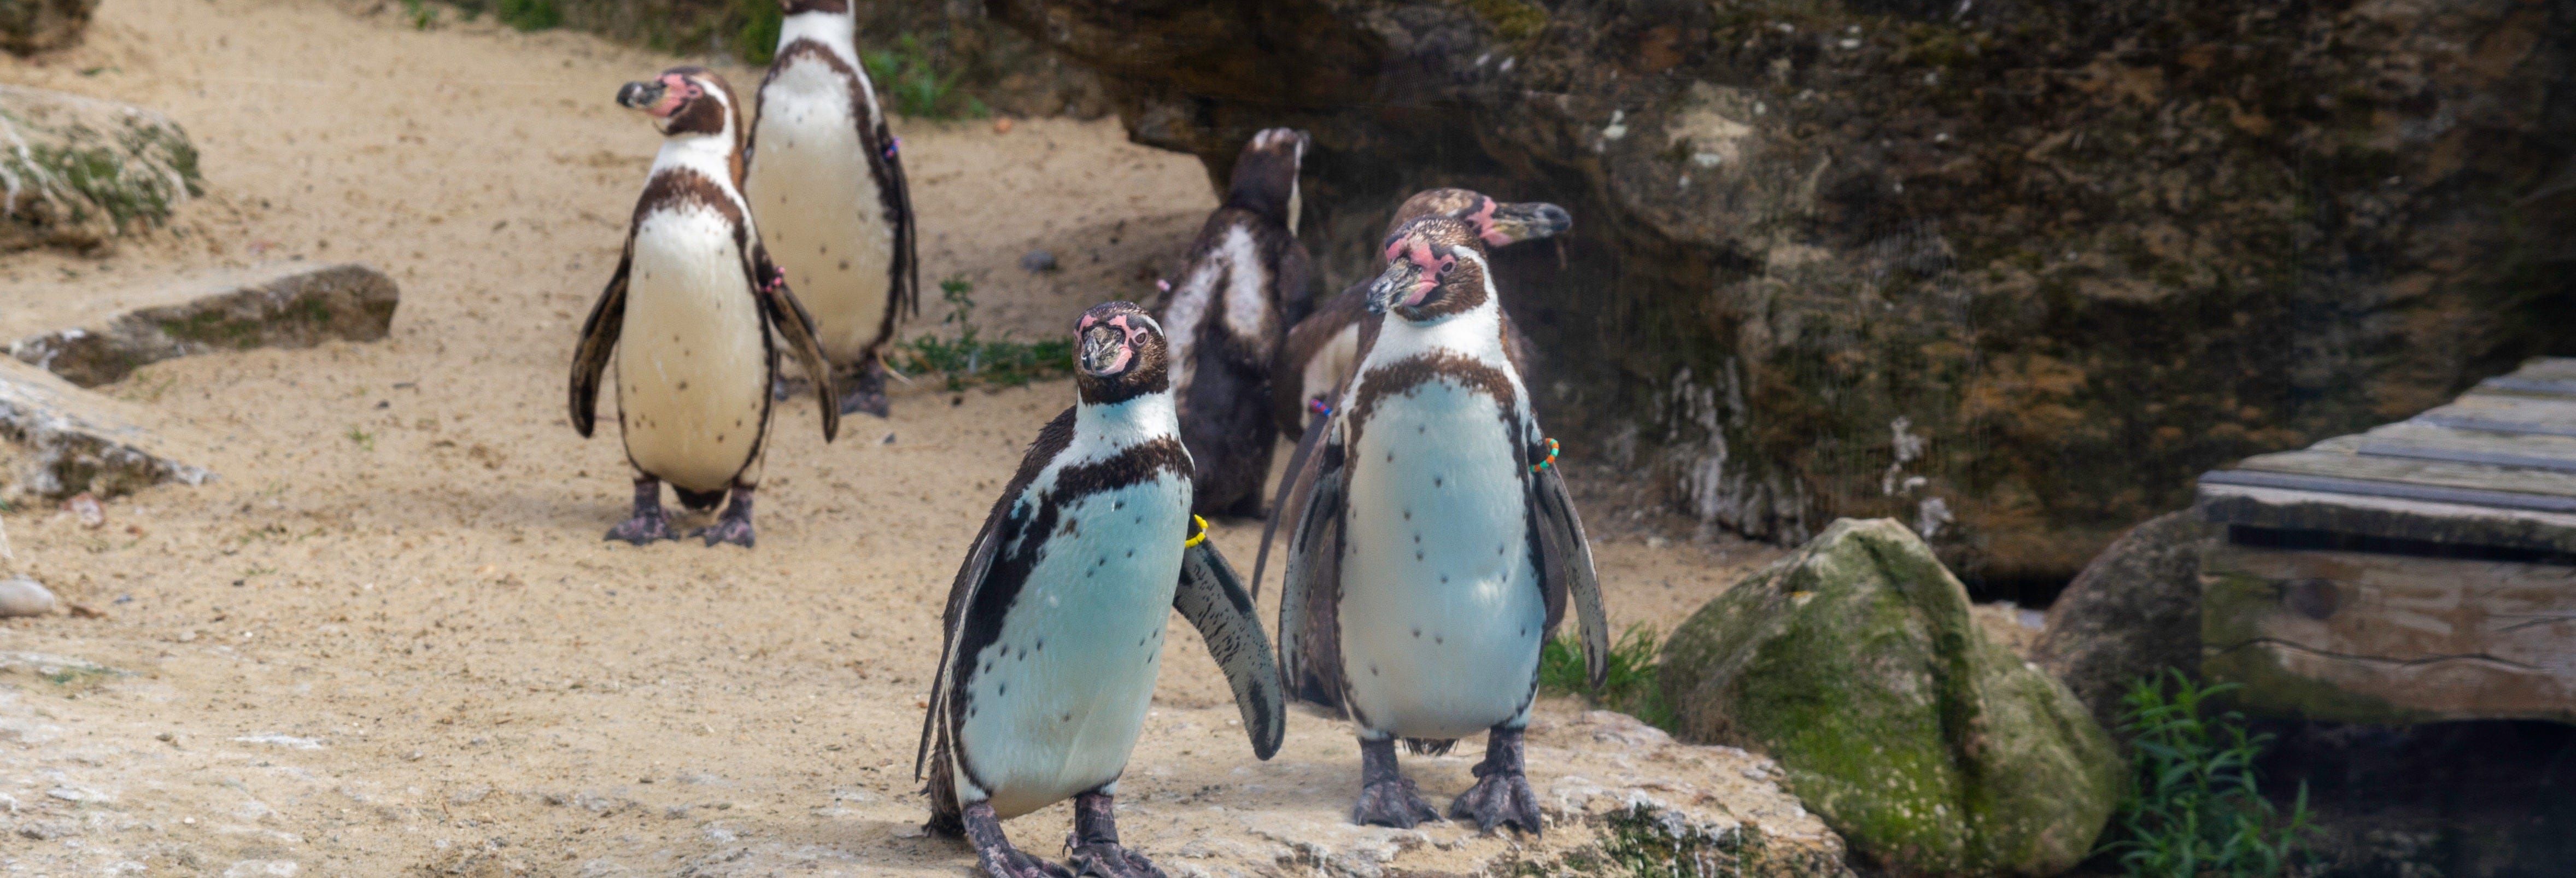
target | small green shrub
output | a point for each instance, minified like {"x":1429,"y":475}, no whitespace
{"x":529,"y":15}
{"x":972,"y":359}
{"x":1630,"y":687}
{"x":756,"y":41}
{"x":423,"y":16}
{"x":919,"y":90}
{"x":2193,"y":809}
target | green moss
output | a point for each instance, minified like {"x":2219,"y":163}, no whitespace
{"x":215,"y":328}
{"x":1515,"y":20}
{"x":1644,"y":841}
{"x":531,"y":15}
{"x":755,"y":36}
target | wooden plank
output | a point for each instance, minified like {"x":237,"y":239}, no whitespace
{"x":2421,"y":435}
{"x":2471,"y":483}
{"x":2506,"y":414}
{"x":2534,"y":387}
{"x":2281,"y":508}
{"x":2546,"y":369}
{"x":2363,"y":637}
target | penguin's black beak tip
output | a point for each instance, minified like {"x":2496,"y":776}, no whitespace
{"x":1398,"y":279}
{"x":640,"y":95}
{"x":1514,"y":223}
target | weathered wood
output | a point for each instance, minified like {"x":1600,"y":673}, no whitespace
{"x":2377,"y":638}
{"x":2324,"y":484}
{"x":2502,"y":413}
{"x":2388,"y":517}
{"x":2415,"y":478}
{"x":2413,"y":439}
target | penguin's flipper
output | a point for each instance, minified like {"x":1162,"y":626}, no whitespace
{"x":1211,"y":596}
{"x":1568,"y":567}
{"x":961,"y":594}
{"x":906,"y":270}
{"x":1290,"y":499}
{"x":598,"y":340}
{"x":796,"y":328}
{"x":1310,"y":588}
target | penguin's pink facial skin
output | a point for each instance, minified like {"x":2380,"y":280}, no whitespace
{"x":1425,"y":278}
{"x":1122,"y":353}
{"x":682,"y":100}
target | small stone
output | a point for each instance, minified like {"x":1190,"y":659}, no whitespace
{"x":1040,"y":259}
{"x":21,"y":596}
{"x":1002,"y":125}
{"x":86,"y":507}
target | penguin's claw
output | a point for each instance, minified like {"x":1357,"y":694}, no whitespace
{"x":1010,"y":862}
{"x":1109,"y":860}
{"x":1393,"y":803}
{"x":726,"y":530}
{"x":643,"y":529}
{"x":865,"y":392}
{"x":1499,"y":799}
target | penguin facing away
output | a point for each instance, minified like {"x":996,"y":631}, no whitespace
{"x":1054,"y":626}
{"x":827,"y":181}
{"x":1224,"y":316}
{"x":688,"y":318}
{"x":1433,"y":546}
{"x":1321,"y":349}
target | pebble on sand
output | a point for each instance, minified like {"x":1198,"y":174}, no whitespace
{"x":1038,"y":260}
{"x":20,"y":596}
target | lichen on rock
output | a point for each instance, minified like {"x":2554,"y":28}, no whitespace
{"x":77,"y":172}
{"x":1931,"y":749}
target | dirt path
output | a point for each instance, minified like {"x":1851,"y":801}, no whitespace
{"x":390,"y":638}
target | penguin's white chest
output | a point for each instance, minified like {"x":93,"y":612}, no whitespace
{"x":1056,"y":702}
{"x":692,"y":357}
{"x":1441,"y":612}
{"x":819,"y":208}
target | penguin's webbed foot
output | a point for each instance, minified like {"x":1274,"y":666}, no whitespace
{"x":1386,"y":797}
{"x":1109,"y":860}
{"x":1501,"y":796}
{"x":734,"y":525}
{"x":649,"y":522}
{"x":994,"y":852}
{"x":865,"y":392}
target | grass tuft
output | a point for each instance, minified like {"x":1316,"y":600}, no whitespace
{"x":2194,"y":809}
{"x":532,"y":15}
{"x":756,"y":41}
{"x":1630,"y":687}
{"x":972,"y":359}
{"x":919,"y":90}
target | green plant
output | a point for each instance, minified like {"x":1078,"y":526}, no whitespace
{"x":1629,"y":687}
{"x":756,"y":41}
{"x":2194,"y":809}
{"x":971,"y":358}
{"x":533,"y":15}
{"x":918,"y":89}
{"x":364,"y":439}
{"x":423,"y":16}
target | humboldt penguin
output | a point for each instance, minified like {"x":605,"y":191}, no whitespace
{"x":1055,"y":622}
{"x":827,"y":182}
{"x":1225,"y":320}
{"x":1425,"y":566}
{"x":1321,"y":349}
{"x":689,"y":318}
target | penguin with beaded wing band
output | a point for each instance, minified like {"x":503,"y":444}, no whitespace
{"x":691,"y":319}
{"x":1432,"y":545}
{"x":1225,"y":316}
{"x":1055,"y":621}
{"x":1321,"y":349}
{"x":827,"y":180}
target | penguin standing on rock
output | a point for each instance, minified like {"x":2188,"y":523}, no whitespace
{"x":1055,"y":622}
{"x":688,"y":317}
{"x":826,"y":179}
{"x":1432,"y":545}
{"x":1225,"y":319}
{"x":1322,"y":348}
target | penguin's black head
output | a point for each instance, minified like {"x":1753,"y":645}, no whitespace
{"x":683,"y":101}
{"x":1501,"y":224}
{"x":1265,"y":175}
{"x":1119,"y":354}
{"x":1435,"y":267}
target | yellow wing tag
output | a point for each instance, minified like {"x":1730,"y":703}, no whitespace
{"x":1198,"y":533}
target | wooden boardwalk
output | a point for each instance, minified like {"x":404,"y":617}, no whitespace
{"x":2423,"y":570}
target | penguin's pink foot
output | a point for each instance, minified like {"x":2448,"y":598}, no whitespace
{"x":734,"y":526}
{"x":1501,"y":796}
{"x":1094,"y":842}
{"x":866,"y":392}
{"x":994,"y":852}
{"x":649,"y":524}
{"x":1386,"y":797}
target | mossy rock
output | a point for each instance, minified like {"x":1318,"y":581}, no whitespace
{"x":78,"y":172}
{"x":1933,"y":750}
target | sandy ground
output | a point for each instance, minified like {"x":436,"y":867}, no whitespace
{"x":390,"y":638}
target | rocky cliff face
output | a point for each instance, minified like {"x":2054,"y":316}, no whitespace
{"x":2011,"y":272}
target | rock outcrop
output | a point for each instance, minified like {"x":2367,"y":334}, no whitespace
{"x":1932,"y":750}
{"x":2132,"y":613}
{"x":2012,"y":272}
{"x":288,"y":305}
{"x":78,"y":441}
{"x":76,"y":172}
{"x":30,"y":26}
